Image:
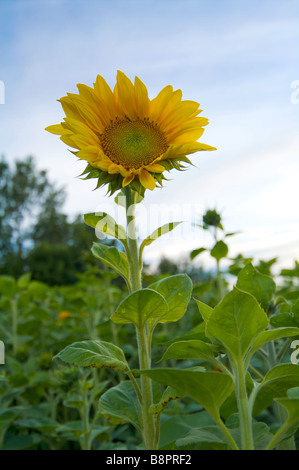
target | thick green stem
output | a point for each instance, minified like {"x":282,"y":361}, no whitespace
{"x":243,"y":406}
{"x":148,"y":422}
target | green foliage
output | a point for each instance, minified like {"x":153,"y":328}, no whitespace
{"x":219,"y":250}
{"x":113,"y":258}
{"x":94,"y":354}
{"x":236,"y":321}
{"x":228,"y":382}
{"x":262,"y":287}
{"x":210,"y":389}
{"x":177,"y":291}
{"x":140,"y":307}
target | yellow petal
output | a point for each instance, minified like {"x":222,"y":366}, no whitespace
{"x":104,"y":92}
{"x":155,"y":168}
{"x":78,"y":127}
{"x":141,"y":99}
{"x":124,"y":92}
{"x":57,"y":129}
{"x":158,"y":104}
{"x":67,"y":139}
{"x":113,"y":168}
{"x":175,"y":151}
{"x":127,"y":180}
{"x":170,"y":108}
{"x":101,"y":165}
{"x":146,"y":179}
{"x":70,"y":108}
{"x":90,"y":153}
{"x":82,"y":141}
{"x":188,"y":136}
{"x":85,"y":110}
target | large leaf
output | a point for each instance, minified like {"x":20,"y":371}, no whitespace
{"x":174,"y":427}
{"x":262,"y":287}
{"x":94,"y":354}
{"x":105,"y":224}
{"x":271,"y":335}
{"x":204,"y":310}
{"x":120,"y":405}
{"x":210,"y":389}
{"x":213,"y":435}
{"x":177,"y":291}
{"x":113,"y":258}
{"x":220,"y":250}
{"x":275,"y":385}
{"x":236,"y":321}
{"x":141,"y":306}
{"x":158,"y":233}
{"x":192,"y":349}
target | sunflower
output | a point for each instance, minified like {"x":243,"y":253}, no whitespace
{"x":126,"y":138}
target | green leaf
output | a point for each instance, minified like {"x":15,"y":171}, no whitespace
{"x":262,"y":287}
{"x":213,"y":434}
{"x":113,"y":258}
{"x":8,"y":286}
{"x":120,"y":405}
{"x":210,"y":389}
{"x":271,"y":335}
{"x":236,"y":321}
{"x":287,"y":319}
{"x":220,"y":250}
{"x":24,"y":280}
{"x":42,"y":424}
{"x":168,"y":395}
{"x":198,"y":332}
{"x":97,"y":354}
{"x":177,"y":291}
{"x":275,"y":385}
{"x":104,"y":223}
{"x":120,"y":198}
{"x":204,"y":435}
{"x":204,"y":310}
{"x":22,"y":442}
{"x":192,"y":349}
{"x":166,"y":228}
{"x":141,"y":306}
{"x":292,"y":407}
{"x":174,"y":427}
{"x":196,"y":252}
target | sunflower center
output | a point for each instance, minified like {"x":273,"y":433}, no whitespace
{"x":133,"y":144}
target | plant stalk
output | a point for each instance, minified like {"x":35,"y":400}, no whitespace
{"x":148,"y":422}
{"x":243,"y":406}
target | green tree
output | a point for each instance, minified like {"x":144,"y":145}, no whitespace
{"x":35,"y":234}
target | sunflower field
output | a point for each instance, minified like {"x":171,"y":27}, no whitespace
{"x":223,"y":369}
{"x":99,"y":350}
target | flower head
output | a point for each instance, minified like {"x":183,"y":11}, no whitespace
{"x":212,"y":218}
{"x":126,"y":138}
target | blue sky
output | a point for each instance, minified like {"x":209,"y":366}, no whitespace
{"x":237,"y":58}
